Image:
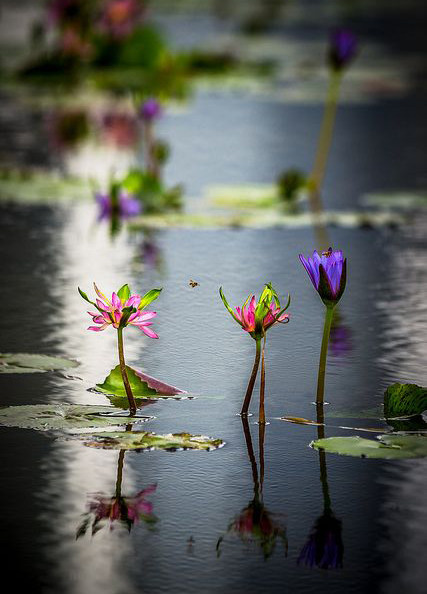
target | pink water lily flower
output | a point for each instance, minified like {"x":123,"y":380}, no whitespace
{"x":246,"y":315}
{"x":110,"y":312}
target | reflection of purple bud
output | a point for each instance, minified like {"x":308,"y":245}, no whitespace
{"x":150,"y":110}
{"x":129,"y":206}
{"x":342,"y":48}
{"x":324,"y":547}
{"x":339,"y":340}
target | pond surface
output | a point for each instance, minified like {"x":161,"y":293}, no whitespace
{"x":378,"y":508}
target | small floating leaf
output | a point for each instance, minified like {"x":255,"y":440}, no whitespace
{"x":144,"y":440}
{"x":32,"y":363}
{"x":391,"y":447}
{"x":61,"y":416}
{"x":143,"y":385}
{"x":300,"y":421}
{"x":404,"y":400}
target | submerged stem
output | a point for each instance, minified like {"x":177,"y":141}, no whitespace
{"x":262,"y":387}
{"x":323,"y":355}
{"x":128,"y":389}
{"x":252,"y":379}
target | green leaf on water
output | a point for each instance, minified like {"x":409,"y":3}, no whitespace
{"x":31,"y":363}
{"x":61,"y":416}
{"x":404,"y":400}
{"x":144,"y":440}
{"x":143,"y":385}
{"x":393,"y":447}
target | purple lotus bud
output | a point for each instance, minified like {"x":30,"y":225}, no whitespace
{"x":342,"y":49}
{"x":150,"y":109}
{"x":327,"y":272}
{"x":324,"y":547}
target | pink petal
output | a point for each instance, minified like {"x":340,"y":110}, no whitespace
{"x":101,"y":295}
{"x":98,"y":328}
{"x":161,"y":388}
{"x":148,"y":332}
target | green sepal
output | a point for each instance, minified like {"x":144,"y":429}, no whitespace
{"x":149,"y":297}
{"x":126,"y":313}
{"x":123,"y":293}
{"x":227,"y":306}
{"x":85,"y":297}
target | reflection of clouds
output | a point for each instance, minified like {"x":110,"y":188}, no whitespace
{"x":88,"y":565}
{"x":84,"y":252}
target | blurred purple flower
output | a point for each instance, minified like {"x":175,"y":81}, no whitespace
{"x":150,"y":109}
{"x":327,"y":273}
{"x":324,"y":547}
{"x":342,"y":48}
{"x":127,"y":207}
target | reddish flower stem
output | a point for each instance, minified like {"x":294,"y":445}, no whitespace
{"x":262,"y":387}
{"x":252,"y":379}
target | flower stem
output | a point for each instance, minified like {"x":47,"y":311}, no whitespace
{"x":129,"y":394}
{"x":323,"y":355}
{"x":325,"y":139}
{"x":262,"y":388}
{"x":251,"y":383}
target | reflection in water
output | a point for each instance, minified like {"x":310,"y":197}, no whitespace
{"x":324,"y":547}
{"x":340,"y":339}
{"x":117,"y":510}
{"x":255,"y":524}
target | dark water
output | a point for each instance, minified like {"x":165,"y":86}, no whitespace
{"x":48,"y":251}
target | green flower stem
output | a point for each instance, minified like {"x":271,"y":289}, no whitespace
{"x":323,"y":355}
{"x":252,"y":379}
{"x":120,"y":473}
{"x":325,"y":139}
{"x":129,"y":394}
{"x":262,"y":388}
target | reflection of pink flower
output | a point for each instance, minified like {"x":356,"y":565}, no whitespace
{"x":120,"y":16}
{"x":116,"y":312}
{"x":118,"y":511}
{"x":72,"y":43}
{"x":255,"y":524}
{"x":120,"y":129}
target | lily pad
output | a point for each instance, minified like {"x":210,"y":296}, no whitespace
{"x":404,"y":400}
{"x":393,"y":447}
{"x":244,"y":196}
{"x":31,"y":363}
{"x":399,"y":199}
{"x":143,"y":385}
{"x":41,"y":187}
{"x":300,"y":421}
{"x":144,"y":440}
{"x":61,"y":416}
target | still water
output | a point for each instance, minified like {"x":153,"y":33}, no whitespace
{"x":199,"y":495}
{"x":369,"y":515}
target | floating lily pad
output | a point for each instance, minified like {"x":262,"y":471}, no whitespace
{"x":391,"y":447}
{"x":143,"y":386}
{"x":400,"y":199}
{"x":256,"y":219}
{"x":244,"y":196}
{"x":61,"y":416}
{"x":300,"y":421}
{"x":40,"y":187}
{"x":404,"y":400}
{"x":29,"y":363}
{"x":143,"y":440}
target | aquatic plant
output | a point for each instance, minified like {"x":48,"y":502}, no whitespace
{"x":328,"y":273}
{"x":256,"y":317}
{"x":150,"y":109}
{"x":120,"y":17}
{"x":123,"y":309}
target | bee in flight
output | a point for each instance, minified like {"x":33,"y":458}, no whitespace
{"x":193,"y":283}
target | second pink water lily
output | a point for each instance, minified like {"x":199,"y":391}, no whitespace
{"x":246,"y":316}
